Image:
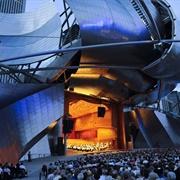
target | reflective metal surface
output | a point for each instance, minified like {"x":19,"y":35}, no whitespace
{"x":29,"y":33}
{"x":128,"y":74}
{"x":123,"y":21}
{"x":25,"y":120}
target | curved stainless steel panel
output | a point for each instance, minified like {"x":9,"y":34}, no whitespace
{"x":167,"y":67}
{"x":11,"y":93}
{"x":29,"y":33}
{"x":112,"y":21}
{"x":146,"y":78}
{"x":25,"y":119}
{"x":154,"y":14}
{"x":119,"y":21}
{"x":133,"y":79}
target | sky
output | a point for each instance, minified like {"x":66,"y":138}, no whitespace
{"x":33,"y":4}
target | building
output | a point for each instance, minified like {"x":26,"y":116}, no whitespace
{"x":12,"y":6}
{"x":171,"y":103}
{"x":110,"y":54}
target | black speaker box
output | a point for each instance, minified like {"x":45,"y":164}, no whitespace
{"x":60,"y":146}
{"x":60,"y":149}
{"x":60,"y":140}
{"x":101,"y":111}
{"x":68,"y":126}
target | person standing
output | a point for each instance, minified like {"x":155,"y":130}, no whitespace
{"x":29,"y":156}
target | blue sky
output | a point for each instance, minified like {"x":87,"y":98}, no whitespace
{"x":33,"y":4}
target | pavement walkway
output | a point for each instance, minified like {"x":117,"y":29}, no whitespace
{"x":34,"y":167}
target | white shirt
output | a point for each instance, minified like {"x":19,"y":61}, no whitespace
{"x":50,"y":176}
{"x":7,"y":170}
{"x":22,"y":167}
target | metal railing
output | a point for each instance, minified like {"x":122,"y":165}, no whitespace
{"x":35,"y":156}
{"x":170,"y":105}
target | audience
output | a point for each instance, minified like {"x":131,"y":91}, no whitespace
{"x":147,"y":164}
{"x":171,"y":175}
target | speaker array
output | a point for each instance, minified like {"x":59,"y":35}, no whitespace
{"x":68,"y":125}
{"x":101,"y":111}
{"x":60,"y":146}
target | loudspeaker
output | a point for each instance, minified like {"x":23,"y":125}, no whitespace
{"x":60,"y":146}
{"x":60,"y":150}
{"x":68,"y":126}
{"x":60,"y":140}
{"x":101,"y":111}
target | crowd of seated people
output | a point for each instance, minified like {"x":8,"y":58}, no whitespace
{"x":150,"y":164}
{"x":8,"y":171}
